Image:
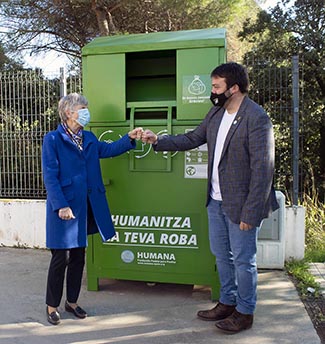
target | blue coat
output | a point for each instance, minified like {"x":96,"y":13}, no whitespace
{"x":71,"y":176}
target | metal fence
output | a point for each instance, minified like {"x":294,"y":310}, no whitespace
{"x":275,"y":86}
{"x":28,"y":110}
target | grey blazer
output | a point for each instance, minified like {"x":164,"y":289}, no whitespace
{"x":247,"y":161}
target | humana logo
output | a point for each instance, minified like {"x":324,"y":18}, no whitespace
{"x":156,"y":256}
{"x":151,"y":221}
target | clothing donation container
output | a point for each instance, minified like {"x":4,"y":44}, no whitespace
{"x":160,"y":81}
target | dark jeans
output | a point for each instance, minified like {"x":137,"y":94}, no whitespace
{"x":73,"y":260}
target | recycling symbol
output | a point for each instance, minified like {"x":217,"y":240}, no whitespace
{"x":196,"y":87}
{"x":190,"y":170}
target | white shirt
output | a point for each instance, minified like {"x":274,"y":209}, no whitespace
{"x":225,"y":125}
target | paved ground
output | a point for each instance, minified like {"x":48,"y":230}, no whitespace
{"x":128,"y":312}
{"x":318,"y":270}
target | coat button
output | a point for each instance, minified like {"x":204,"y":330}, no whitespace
{"x":89,"y":191}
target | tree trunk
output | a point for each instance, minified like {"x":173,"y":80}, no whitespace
{"x":101,"y":15}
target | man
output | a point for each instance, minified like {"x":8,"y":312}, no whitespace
{"x":240,"y":194}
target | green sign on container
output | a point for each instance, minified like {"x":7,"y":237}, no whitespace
{"x":196,"y":89}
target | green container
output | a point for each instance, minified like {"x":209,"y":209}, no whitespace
{"x":159,"y":81}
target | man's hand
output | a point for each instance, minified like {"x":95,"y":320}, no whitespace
{"x":149,"y":137}
{"x":245,"y":226}
{"x":66,"y":214}
{"x":135,"y":134}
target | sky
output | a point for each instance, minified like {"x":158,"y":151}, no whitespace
{"x":268,"y":3}
{"x":51,"y":62}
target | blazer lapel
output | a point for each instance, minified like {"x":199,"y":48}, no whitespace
{"x":235,"y":124}
{"x":214,"y":127}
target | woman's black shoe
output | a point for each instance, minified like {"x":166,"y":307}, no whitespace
{"x":53,"y":318}
{"x":78,"y":311}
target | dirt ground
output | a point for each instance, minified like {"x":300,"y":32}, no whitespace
{"x":315,"y":307}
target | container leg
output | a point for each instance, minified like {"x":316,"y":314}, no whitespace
{"x":92,"y":283}
{"x":214,"y":294}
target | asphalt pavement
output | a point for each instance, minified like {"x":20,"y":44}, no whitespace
{"x":134,"y":312}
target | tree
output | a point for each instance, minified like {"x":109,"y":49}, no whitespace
{"x":67,"y":25}
{"x":7,"y":63}
{"x":291,"y":29}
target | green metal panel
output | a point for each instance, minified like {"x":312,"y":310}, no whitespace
{"x":153,"y":89}
{"x":159,"y":81}
{"x":193,"y":80}
{"x":162,"y":235}
{"x":156,"y":41}
{"x":137,"y":163}
{"x":104,"y":86}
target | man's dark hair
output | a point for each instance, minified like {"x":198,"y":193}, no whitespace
{"x":234,"y":73}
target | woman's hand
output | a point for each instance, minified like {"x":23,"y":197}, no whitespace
{"x":135,"y":133}
{"x":66,"y":214}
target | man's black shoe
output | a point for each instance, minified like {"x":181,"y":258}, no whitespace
{"x":235,"y":323}
{"x":219,"y":312}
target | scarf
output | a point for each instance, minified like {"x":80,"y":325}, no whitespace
{"x":76,"y":138}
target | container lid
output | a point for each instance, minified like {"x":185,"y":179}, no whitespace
{"x":156,"y":41}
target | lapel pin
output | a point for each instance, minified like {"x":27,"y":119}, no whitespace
{"x":236,"y":120}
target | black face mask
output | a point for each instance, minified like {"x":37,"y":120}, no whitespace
{"x":219,"y":99}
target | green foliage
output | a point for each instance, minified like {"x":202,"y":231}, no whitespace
{"x":26,"y":113}
{"x":66,"y":26}
{"x":270,"y":87}
{"x":20,"y":150}
{"x":315,"y":256}
{"x":315,"y":225}
{"x":7,"y":63}
{"x":297,"y":28}
{"x":299,"y":269}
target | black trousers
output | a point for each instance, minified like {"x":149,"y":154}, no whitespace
{"x":72,"y":262}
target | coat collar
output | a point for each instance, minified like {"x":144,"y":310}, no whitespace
{"x":86,"y":137}
{"x":63,"y":134}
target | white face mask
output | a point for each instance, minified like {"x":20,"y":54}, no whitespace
{"x":83,"y":117}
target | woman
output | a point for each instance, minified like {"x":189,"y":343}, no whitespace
{"x":76,"y":201}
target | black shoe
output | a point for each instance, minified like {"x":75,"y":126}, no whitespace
{"x":219,"y":312}
{"x":78,"y":311}
{"x":53,"y":318}
{"x":236,"y":322}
